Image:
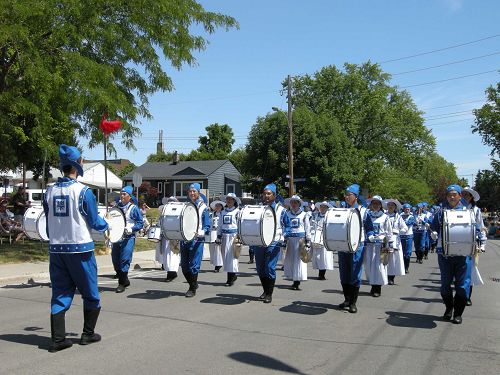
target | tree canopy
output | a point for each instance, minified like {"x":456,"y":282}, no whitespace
{"x":65,"y":63}
{"x":487,"y":122}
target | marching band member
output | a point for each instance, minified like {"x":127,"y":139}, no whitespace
{"x":427,"y":233}
{"x":171,"y":258}
{"x":396,"y":266}
{"x":351,"y":264}
{"x":71,"y":212}
{"x":472,"y":196}
{"x":454,"y":269}
{"x":227,"y":233}
{"x":322,"y":259}
{"x":419,"y":229}
{"x":407,"y":237}
{"x":375,"y":269}
{"x":266,"y":258}
{"x":121,"y":251}
{"x":192,"y":251}
{"x":214,"y":247}
{"x":300,"y":230}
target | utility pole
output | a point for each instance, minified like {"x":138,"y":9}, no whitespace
{"x":290,"y":138}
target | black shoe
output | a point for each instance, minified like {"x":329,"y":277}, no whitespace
{"x":190,"y":293}
{"x":251,"y":261}
{"x":448,"y":301}
{"x":377,"y":290}
{"x":353,"y":294}
{"x":353,"y":309}
{"x":347,"y":294}
{"x":468,"y":303}
{"x":217,"y":268}
{"x":407,"y":271}
{"x":58,"y":346}
{"x":448,"y":313}
{"x":263,"y":296}
{"x":120,"y":288}
{"x":321,"y":275}
{"x":171,"y":275}
{"x":391,"y":280}
{"x":457,"y":320}
{"x":296,"y":285}
{"x":89,"y":339}
{"x":268,"y":298}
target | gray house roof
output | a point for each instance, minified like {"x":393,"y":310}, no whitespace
{"x":181,"y":170}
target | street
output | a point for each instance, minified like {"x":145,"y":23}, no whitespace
{"x":153,"y":329}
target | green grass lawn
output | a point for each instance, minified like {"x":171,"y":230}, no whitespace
{"x":35,"y":251}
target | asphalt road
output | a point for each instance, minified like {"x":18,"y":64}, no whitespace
{"x":153,"y":329}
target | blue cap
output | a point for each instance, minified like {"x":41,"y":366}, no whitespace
{"x":354,"y":188}
{"x":195,"y":186}
{"x":271,"y":187}
{"x":70,"y":155}
{"x":457,"y":188}
{"x":128,"y":189}
{"x":406,"y":205}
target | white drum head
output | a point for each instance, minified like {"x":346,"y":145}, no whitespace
{"x":34,"y":223}
{"x":268,"y":226}
{"x":355,"y":230}
{"x":116,"y":220}
{"x":190,"y":222}
{"x":154,"y":233}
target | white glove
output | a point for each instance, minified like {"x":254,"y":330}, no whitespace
{"x":128,"y":231}
{"x":372,"y":238}
{"x":427,"y":225}
{"x":434,"y":235}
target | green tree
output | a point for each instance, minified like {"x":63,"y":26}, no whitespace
{"x":218,"y":141}
{"x":63,"y":63}
{"x":487,"y":184}
{"x":127,"y":169}
{"x":487,"y":122}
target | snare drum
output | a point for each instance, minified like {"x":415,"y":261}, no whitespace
{"x":257,"y":225}
{"x":34,"y":223}
{"x":342,"y":229}
{"x":154,"y":233}
{"x":458,"y":232}
{"x":179,"y":221}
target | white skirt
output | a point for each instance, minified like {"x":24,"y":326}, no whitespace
{"x":170,"y":260}
{"x":322,"y":259}
{"x":396,"y":265}
{"x":475,"y":278}
{"x":230,"y":262}
{"x":375,"y":271}
{"x":215,"y":254}
{"x":295,"y":268}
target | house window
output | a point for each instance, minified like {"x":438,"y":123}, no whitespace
{"x":230,"y":188}
{"x":160,"y":187}
{"x":181,"y":187}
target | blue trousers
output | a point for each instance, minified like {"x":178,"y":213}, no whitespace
{"x":407,"y":244}
{"x":121,"y":254}
{"x":455,"y":269}
{"x":69,"y":272}
{"x":266,"y":259}
{"x":351,"y":266}
{"x":419,"y":241}
{"x":191,"y":256}
{"x":427,"y":240}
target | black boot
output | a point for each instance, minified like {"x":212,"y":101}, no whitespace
{"x":192,"y":286}
{"x":448,"y":302}
{"x":217,"y":268}
{"x":321,"y":275}
{"x":123,"y":282}
{"x":459,"y":304}
{"x":296,"y":285}
{"x":89,"y":322}
{"x":376,"y":290}
{"x":58,"y":333}
{"x":252,"y":258}
{"x":391,"y":279}
{"x":171,"y":275}
{"x":426,"y":252}
{"x":469,"y":301}
{"x":263,"y":281}
{"x":354,"y":291}
{"x":231,"y":278}
{"x":407,"y":265}
{"x":347,"y":295}
{"x":270,"y":289}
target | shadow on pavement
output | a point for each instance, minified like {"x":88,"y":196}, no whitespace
{"x":307,"y":308}
{"x":42,"y":342}
{"x":433,"y":281}
{"x":425,"y":300}
{"x":261,"y":360}
{"x":28,"y":285}
{"x":410,"y":320}
{"x":428,"y":288}
{"x":229,"y":299}
{"x":155,"y":294}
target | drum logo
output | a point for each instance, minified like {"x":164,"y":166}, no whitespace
{"x":226,"y":219}
{"x":294,"y":223}
{"x":61,"y":205}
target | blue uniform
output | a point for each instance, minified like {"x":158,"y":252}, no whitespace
{"x":71,"y":212}
{"x":122,"y":251}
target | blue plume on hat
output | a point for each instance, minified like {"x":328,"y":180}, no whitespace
{"x":70,"y":155}
{"x":354,"y":188}
{"x":271,"y":187}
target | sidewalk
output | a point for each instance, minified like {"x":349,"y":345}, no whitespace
{"x":39,"y":272}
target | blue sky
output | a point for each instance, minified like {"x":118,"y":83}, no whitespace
{"x":239,"y":75}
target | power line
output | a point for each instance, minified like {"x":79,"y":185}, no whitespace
{"x":439,"y":50}
{"x":446,"y":64}
{"x":450,"y":114}
{"x":449,"y":79}
{"x":453,"y":105}
{"x":450,"y":122}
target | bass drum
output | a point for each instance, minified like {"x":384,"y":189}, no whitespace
{"x":117,"y":222}
{"x":257,"y":225}
{"x":342,"y":229}
{"x":34,"y":223}
{"x":459,"y":232}
{"x":96,"y":235}
{"x":179,"y":221}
